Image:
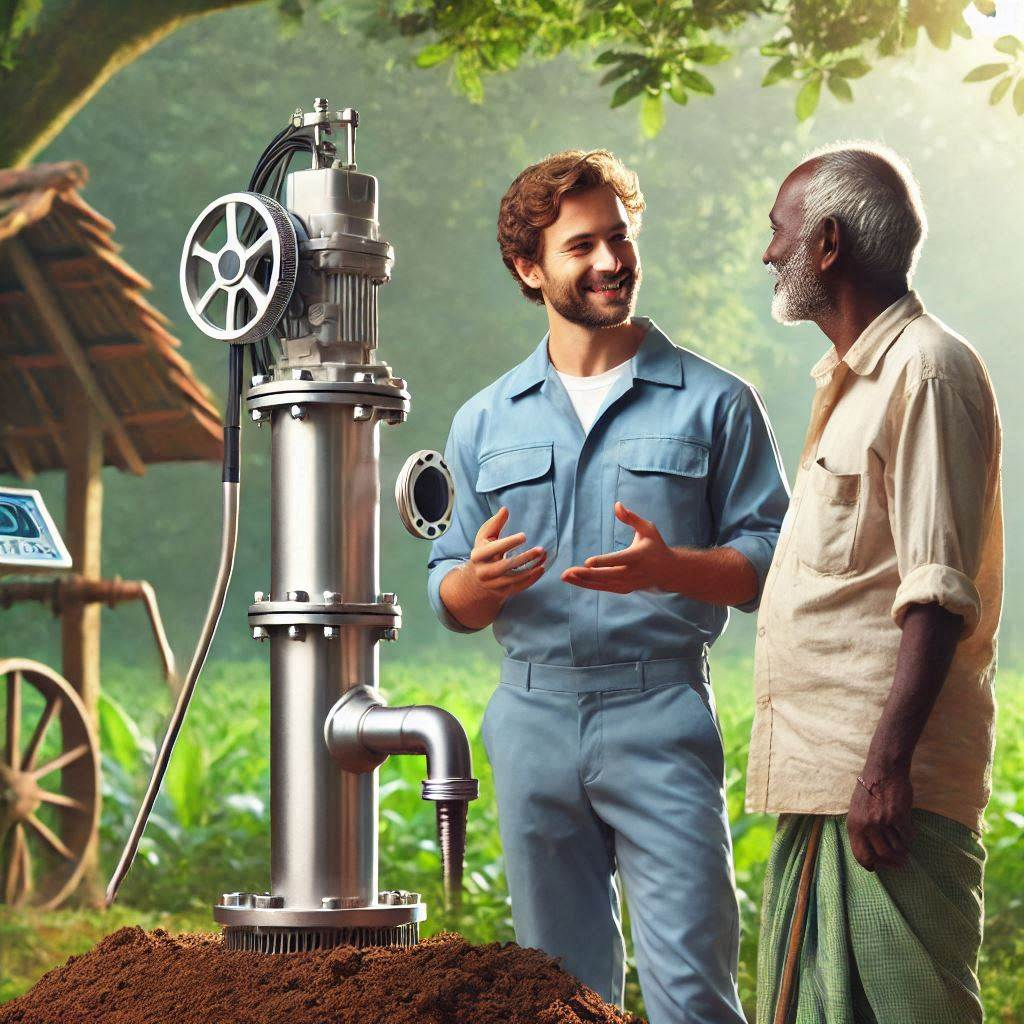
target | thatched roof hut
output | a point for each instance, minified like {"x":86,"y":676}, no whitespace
{"x":74,"y":323}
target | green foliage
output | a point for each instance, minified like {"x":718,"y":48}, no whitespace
{"x":211,"y":816}
{"x":658,"y":44}
{"x":1010,"y":73}
{"x":17,"y":18}
{"x":808,"y":96}
{"x":652,"y":115}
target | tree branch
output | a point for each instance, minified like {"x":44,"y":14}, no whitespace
{"x":73,"y":49}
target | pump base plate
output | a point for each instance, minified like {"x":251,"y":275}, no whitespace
{"x":373,"y":918}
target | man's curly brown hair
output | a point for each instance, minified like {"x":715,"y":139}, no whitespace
{"x":534,"y":199}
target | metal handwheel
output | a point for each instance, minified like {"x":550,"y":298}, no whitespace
{"x":44,"y":833}
{"x":262,"y":270}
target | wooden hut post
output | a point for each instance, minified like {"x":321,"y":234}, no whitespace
{"x":80,"y":623}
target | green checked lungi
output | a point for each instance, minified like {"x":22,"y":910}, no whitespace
{"x":897,"y":946}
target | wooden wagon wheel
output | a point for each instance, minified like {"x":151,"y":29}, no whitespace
{"x":44,"y":833}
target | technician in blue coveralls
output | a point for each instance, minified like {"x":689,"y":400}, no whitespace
{"x":642,"y":485}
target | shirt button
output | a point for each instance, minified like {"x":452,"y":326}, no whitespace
{"x":806,"y":464}
{"x":764,"y":702}
{"x":760,"y":631}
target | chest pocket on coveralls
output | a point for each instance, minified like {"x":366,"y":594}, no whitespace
{"x":663,"y":479}
{"x":828,"y":530}
{"x":522,"y":480}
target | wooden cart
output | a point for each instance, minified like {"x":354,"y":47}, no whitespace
{"x":89,"y":377}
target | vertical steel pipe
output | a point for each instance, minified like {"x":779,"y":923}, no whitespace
{"x":325,"y":537}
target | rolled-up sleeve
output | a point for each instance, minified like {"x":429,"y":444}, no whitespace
{"x":747,"y":489}
{"x":939,"y":483}
{"x":453,"y":547}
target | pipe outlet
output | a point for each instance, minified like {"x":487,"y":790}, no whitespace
{"x":361,"y":731}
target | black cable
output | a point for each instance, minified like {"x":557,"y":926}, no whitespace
{"x":257,"y":361}
{"x":232,"y":415}
{"x":272,"y":166}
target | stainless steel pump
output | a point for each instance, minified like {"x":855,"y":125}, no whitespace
{"x":308,"y":270}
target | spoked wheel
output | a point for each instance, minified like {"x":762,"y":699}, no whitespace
{"x":49,"y":785}
{"x":219,"y":268}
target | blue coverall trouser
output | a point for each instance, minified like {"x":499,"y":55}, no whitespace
{"x":619,"y":774}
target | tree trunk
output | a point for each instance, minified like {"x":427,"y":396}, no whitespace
{"x":73,"y":49}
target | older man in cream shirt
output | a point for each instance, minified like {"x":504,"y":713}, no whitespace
{"x":873,"y":730}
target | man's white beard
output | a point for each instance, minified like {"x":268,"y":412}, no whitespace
{"x":800,"y":295}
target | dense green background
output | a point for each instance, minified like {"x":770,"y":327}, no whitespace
{"x":186,"y":122}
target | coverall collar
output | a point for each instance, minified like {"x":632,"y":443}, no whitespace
{"x":657,"y":360}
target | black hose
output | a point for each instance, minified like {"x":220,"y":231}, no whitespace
{"x":257,"y":360}
{"x":232,"y":415}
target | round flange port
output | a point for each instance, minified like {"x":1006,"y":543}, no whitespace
{"x":425,"y":494}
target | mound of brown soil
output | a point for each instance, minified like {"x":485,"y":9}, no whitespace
{"x":138,"y":977}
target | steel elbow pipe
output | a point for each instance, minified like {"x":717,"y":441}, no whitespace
{"x":361,"y":731}
{"x":428,"y":730}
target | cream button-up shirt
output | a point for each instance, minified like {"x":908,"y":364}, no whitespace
{"x":897,"y":501}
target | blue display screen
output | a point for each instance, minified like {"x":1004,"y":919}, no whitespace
{"x":27,"y":534}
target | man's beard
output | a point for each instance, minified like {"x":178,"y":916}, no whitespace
{"x":799,"y":294}
{"x":571,"y":300}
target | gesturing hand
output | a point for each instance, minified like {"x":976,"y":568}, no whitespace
{"x":500,"y":576}
{"x":879,"y":822}
{"x":641,"y":566}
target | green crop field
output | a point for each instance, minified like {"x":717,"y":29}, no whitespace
{"x":210,"y":829}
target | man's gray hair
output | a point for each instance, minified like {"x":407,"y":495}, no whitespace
{"x":871,"y":191}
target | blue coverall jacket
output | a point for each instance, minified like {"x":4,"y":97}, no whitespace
{"x":603,"y":738}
